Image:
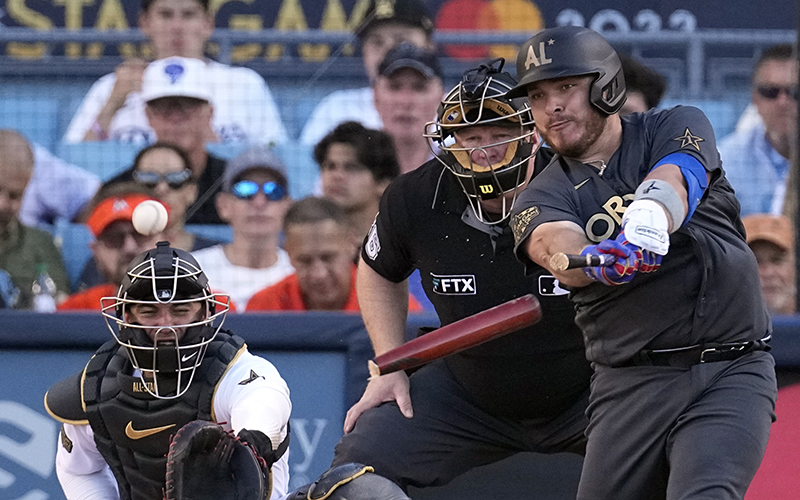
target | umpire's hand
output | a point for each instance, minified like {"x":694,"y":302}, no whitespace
{"x":391,"y":387}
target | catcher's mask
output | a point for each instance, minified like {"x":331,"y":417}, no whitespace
{"x":480,"y":99}
{"x":165,"y":356}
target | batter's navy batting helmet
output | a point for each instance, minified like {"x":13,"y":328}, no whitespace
{"x":480,"y":99}
{"x":573,"y":51}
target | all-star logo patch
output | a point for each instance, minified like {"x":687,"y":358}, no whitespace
{"x":689,"y":139}
{"x":253,"y":377}
{"x":522,"y":220}
{"x":459,"y":284}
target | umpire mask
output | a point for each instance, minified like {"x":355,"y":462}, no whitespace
{"x":480,"y":100}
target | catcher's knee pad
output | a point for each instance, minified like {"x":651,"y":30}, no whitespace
{"x":349,"y":482}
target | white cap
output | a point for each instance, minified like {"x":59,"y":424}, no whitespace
{"x":176,"y":77}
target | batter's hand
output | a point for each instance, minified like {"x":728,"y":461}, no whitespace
{"x":648,"y":261}
{"x":391,"y":387}
{"x":623,"y":270}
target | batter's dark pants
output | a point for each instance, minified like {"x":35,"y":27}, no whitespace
{"x":449,"y":435}
{"x":678,"y":433}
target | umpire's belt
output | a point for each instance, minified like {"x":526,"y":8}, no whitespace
{"x":684,"y":357}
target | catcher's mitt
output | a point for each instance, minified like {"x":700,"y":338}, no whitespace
{"x":206,"y":462}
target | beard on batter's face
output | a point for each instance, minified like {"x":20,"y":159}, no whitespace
{"x":594,"y":125}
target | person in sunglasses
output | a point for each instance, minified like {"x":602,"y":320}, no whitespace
{"x":756,"y":159}
{"x":166,"y":170}
{"x":253,"y":200}
{"x":116,"y":243}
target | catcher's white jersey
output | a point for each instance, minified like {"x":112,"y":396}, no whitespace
{"x":260,"y":403}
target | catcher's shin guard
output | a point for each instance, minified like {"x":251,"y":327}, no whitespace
{"x":349,"y":482}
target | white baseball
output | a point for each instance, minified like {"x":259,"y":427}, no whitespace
{"x":149,"y":217}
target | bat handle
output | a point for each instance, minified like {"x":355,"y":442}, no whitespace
{"x":564,"y":262}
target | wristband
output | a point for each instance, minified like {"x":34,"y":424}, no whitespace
{"x":665,"y":194}
{"x":99,"y":131}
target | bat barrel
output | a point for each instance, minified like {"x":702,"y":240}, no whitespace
{"x":463,"y":334}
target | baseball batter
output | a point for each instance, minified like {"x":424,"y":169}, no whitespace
{"x":449,"y":218}
{"x":684,"y":391}
{"x":166,"y":366}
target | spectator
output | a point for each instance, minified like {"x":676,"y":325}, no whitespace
{"x":356,"y":164}
{"x":393,"y":22}
{"x":408,"y":91}
{"x":254,"y":200}
{"x":645,"y":87}
{"x":57,"y":190}
{"x":771,"y":239}
{"x":24,"y":250}
{"x":320,"y":245}
{"x":166,"y":170}
{"x":178,"y":107}
{"x":756,"y":159}
{"x":116,"y":243}
{"x":114,"y":109}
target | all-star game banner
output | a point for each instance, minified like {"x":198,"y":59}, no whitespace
{"x":344,"y":15}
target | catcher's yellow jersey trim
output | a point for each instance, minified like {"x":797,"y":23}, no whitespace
{"x":233,"y":361}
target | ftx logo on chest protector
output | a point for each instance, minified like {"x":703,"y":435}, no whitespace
{"x":461,"y":284}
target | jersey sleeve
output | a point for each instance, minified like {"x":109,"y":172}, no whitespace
{"x":384,"y":248}
{"x":89,"y":109}
{"x":685,"y":129}
{"x":549,"y":197}
{"x":252,"y":395}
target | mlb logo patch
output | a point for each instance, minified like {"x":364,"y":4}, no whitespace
{"x":549,"y":286}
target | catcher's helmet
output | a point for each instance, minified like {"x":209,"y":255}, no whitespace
{"x":165,"y":356}
{"x":480,"y":99}
{"x":573,"y":51}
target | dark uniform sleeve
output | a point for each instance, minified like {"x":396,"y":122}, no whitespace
{"x":685,"y":129}
{"x":384,"y":248}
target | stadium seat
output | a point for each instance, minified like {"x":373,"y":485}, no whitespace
{"x":302,"y":170}
{"x":722,"y":114}
{"x":219,"y":232}
{"x":225,"y":150}
{"x":36,"y":118}
{"x":73,"y":239}
{"x":104,"y":158}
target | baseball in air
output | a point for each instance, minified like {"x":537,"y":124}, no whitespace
{"x":149,"y":217}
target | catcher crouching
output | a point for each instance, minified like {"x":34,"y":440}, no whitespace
{"x":173,"y":406}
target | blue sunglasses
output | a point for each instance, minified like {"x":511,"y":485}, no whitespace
{"x":246,"y":190}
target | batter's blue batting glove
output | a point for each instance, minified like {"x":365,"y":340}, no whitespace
{"x":648,"y":261}
{"x":621,"y":271}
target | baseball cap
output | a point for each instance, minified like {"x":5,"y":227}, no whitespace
{"x":409,"y":12}
{"x":261,"y":157}
{"x":773,"y":228}
{"x":113,"y":209}
{"x":406,"y":55}
{"x":176,"y":77}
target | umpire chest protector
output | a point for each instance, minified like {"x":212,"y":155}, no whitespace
{"x":131,"y":428}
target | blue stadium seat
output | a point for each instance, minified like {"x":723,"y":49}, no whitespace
{"x":302,"y":170}
{"x":723,"y":114}
{"x":73,"y":239}
{"x":104,"y":158}
{"x":219,"y":232}
{"x":225,"y":150}
{"x":37,"y":118}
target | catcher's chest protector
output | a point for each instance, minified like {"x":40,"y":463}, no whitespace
{"x":132,"y":429}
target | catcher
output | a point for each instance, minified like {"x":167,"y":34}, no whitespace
{"x":173,"y":406}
